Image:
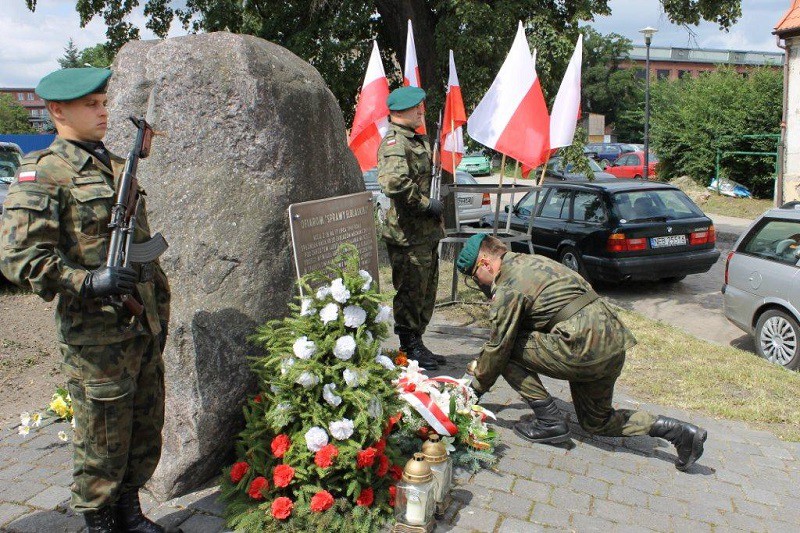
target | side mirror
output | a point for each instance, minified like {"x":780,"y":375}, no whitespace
{"x":506,"y":209}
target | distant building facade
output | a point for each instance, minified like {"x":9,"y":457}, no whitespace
{"x":674,"y":63}
{"x":788,"y":30}
{"x":27,"y":98}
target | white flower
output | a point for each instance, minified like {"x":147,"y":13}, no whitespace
{"x":368,"y":335}
{"x":448,"y":444}
{"x":367,"y":277}
{"x":286,"y":364}
{"x":316,"y":438}
{"x":384,"y":361}
{"x":62,"y":436}
{"x":24,"y":430}
{"x":275,"y":389}
{"x":345,"y":347}
{"x":304,"y":348}
{"x":384,"y":313}
{"x":323,"y":292}
{"x":341,"y":429}
{"x":339,"y":291}
{"x":283,"y":406}
{"x":305,"y":307}
{"x":307,"y":380}
{"x":329,"y":313}
{"x":330,"y":397}
{"x":351,"y":377}
{"x":354,"y":316}
{"x":441,"y":399}
{"x":25,"y":418}
{"x":73,"y":422}
{"x":36,"y":419}
{"x":374,"y":408}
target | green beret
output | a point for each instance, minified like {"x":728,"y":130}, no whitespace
{"x":469,"y":253}
{"x":405,"y":98}
{"x":72,"y":83}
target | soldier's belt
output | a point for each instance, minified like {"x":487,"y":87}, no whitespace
{"x":571,"y":308}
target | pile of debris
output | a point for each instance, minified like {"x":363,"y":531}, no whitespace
{"x":697,"y":193}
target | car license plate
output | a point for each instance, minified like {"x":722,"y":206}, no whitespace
{"x":465,"y":201}
{"x":668,"y":240}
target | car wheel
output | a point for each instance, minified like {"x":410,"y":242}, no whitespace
{"x":673,"y":279}
{"x":637,"y":177}
{"x":570,"y":257}
{"x":776,"y":337}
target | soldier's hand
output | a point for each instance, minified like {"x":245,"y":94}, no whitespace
{"x":435,"y":208}
{"x":109,"y":281}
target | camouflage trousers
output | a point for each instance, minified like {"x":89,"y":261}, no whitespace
{"x":415,"y":277}
{"x":591,"y":386}
{"x":118,"y":397}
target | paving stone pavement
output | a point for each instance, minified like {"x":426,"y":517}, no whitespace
{"x":747,"y":480}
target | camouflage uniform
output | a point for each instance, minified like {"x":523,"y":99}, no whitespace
{"x":411,"y":235}
{"x":587,"y":349}
{"x":54,"y":230}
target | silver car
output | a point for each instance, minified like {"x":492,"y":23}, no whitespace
{"x":761,"y":293}
{"x":471,"y":206}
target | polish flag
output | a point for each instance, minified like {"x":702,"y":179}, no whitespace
{"x":411,"y":77}
{"x":454,"y":118}
{"x":372,"y":114}
{"x":512,"y":116}
{"x":567,"y":106}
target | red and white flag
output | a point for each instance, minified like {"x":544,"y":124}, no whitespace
{"x":411,"y":77}
{"x":372,"y":114}
{"x":512,"y":116}
{"x":567,"y":106}
{"x":454,"y":118}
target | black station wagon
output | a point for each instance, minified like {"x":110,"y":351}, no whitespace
{"x":616,"y":231}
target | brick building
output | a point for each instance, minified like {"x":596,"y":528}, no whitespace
{"x":674,"y":63}
{"x":27,"y":98}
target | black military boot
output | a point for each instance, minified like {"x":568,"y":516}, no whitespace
{"x":409,"y":343}
{"x":101,"y":521}
{"x":548,"y":427}
{"x":687,"y":438}
{"x":130,"y":517}
{"x":440,"y":359}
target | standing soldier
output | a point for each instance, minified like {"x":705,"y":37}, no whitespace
{"x":546,"y":319}
{"x":53,"y":240}
{"x":413,"y":224}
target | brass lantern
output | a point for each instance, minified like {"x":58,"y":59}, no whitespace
{"x":435,"y":453}
{"x":416,"y":498}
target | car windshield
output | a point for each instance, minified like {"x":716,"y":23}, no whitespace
{"x":556,"y":165}
{"x":658,"y":204}
{"x":9,"y":162}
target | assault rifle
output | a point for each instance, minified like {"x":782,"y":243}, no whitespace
{"x":122,"y":251}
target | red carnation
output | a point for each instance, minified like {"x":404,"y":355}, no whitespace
{"x":280,"y":445}
{"x":282,"y":508}
{"x":321,"y":501}
{"x":383,"y":465}
{"x":396,"y":472}
{"x":381,"y":445}
{"x":325,"y":456}
{"x":423,"y":432}
{"x":282,"y":475}
{"x":257,"y":399}
{"x":366,"y":458}
{"x":366,"y":498}
{"x":392,"y":494}
{"x":393,"y":420}
{"x":257,"y":488}
{"x":238,"y":470}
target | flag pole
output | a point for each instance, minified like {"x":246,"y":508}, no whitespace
{"x":499,"y":195}
{"x":544,"y":168}
{"x":511,"y":209}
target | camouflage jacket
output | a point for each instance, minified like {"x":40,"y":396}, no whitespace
{"x":55,"y":228}
{"x":528,"y":292}
{"x":404,"y":172}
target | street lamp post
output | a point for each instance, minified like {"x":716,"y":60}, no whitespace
{"x":648,"y":33}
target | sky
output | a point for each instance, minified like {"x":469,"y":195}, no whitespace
{"x":30,"y":43}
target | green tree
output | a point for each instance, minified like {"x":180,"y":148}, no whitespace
{"x":98,"y":55}
{"x":13,"y":117}
{"x":71,"y":57}
{"x":692,"y":117}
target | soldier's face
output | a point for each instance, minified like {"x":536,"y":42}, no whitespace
{"x":412,"y":117}
{"x":84,"y":119}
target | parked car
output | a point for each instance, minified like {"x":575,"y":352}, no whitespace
{"x":557,"y":171}
{"x":607,"y":153}
{"x":761,"y":294}
{"x":616,"y":231}
{"x":632,"y":166}
{"x":471,"y":206}
{"x":476,"y":163}
{"x":10,"y":159}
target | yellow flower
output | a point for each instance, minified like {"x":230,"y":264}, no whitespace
{"x":59,"y":406}
{"x":36,"y":419}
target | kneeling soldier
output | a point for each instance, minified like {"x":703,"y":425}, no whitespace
{"x":54,"y":241}
{"x":546,"y":319}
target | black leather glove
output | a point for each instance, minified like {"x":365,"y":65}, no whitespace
{"x":435,"y":208}
{"x":109,"y":281}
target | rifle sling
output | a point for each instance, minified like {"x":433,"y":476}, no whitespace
{"x":571,"y":308}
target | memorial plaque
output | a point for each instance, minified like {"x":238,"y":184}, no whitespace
{"x":319,"y":227}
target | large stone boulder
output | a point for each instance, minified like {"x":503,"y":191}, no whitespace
{"x":250,"y":128}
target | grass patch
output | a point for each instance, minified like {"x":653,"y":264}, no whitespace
{"x":736,"y":207}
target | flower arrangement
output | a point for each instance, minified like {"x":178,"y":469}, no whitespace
{"x":315,"y":453}
{"x":60,"y":408}
{"x":449,"y":407}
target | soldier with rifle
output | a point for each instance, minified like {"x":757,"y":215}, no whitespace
{"x":75,"y":226}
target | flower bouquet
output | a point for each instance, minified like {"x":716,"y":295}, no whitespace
{"x":60,"y":408}
{"x":449,"y":407}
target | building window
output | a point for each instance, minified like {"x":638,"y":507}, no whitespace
{"x":20,"y":96}
{"x":684,"y":74}
{"x":30,"y":96}
{"x":662,"y":74}
{"x":640,"y":74}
